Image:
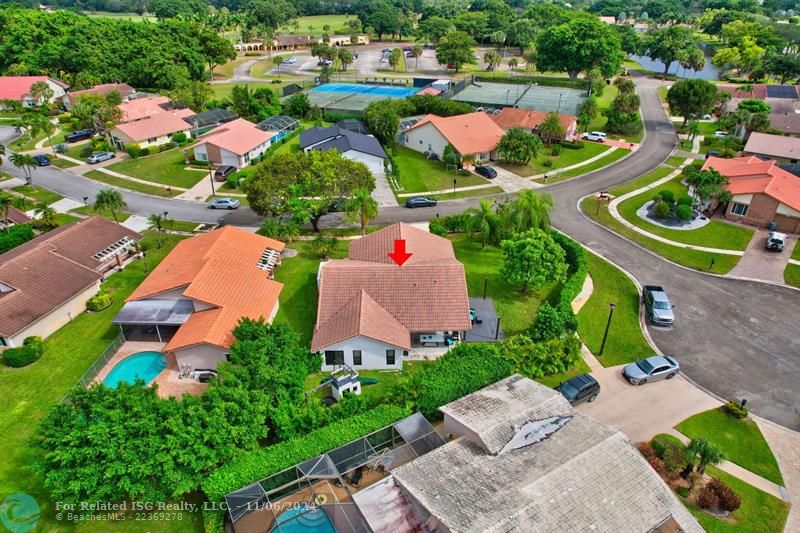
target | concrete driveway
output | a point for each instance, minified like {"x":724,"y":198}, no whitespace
{"x":760,"y":263}
{"x":645,"y":410}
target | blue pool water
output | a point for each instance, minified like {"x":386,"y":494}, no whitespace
{"x":142,"y":365}
{"x":306,"y":520}
{"x":376,"y":90}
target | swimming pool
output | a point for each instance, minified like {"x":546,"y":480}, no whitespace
{"x":142,"y":365}
{"x":303,"y":519}
{"x":375,"y":90}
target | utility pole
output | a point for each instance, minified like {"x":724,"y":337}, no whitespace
{"x":611,"y":308}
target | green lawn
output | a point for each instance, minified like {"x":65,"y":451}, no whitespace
{"x":418,"y":174}
{"x":89,"y":211}
{"x":182,"y":225}
{"x":567,"y":158}
{"x":128,"y":184}
{"x":26,"y":142}
{"x":312,"y":25}
{"x":60,"y":137}
{"x":792,"y":275}
{"x":30,"y":392}
{"x":740,"y":440}
{"x":603,"y":102}
{"x":616,"y":155}
{"x":642,"y":181}
{"x":61,"y":163}
{"x":555,"y":379}
{"x":760,"y":512}
{"x":167,"y":168}
{"x":676,"y":160}
{"x":37,"y":193}
{"x":517,"y":310}
{"x":223,"y":90}
{"x":129,"y":16}
{"x":703,"y":261}
{"x":626,"y":342}
{"x":796,"y":251}
{"x":260,"y":68}
{"x":715,"y":234}
{"x":298,"y":304}
{"x":462,"y":194}
{"x":74,"y":151}
{"x":707,"y":129}
{"x":223,"y":72}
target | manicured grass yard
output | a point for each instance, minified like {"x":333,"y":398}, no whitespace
{"x":25,"y":142}
{"x":567,"y":158}
{"x":223,"y":90}
{"x":676,"y":160}
{"x":461,"y":194}
{"x":39,"y":194}
{"x":707,"y":129}
{"x":75,"y":151}
{"x":223,"y":72}
{"x":517,"y":310}
{"x":418,"y":174}
{"x":722,"y":263}
{"x":312,"y":25}
{"x":760,"y":512}
{"x":29,"y":393}
{"x":616,"y":155}
{"x":715,"y":234}
{"x":792,"y":275}
{"x":796,"y":251}
{"x":89,"y":211}
{"x":167,"y":168}
{"x":61,"y":163}
{"x":128,"y":184}
{"x":625,"y":343}
{"x":740,"y":440}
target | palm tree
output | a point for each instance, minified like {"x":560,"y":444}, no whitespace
{"x":6,"y":203}
{"x":587,"y":111}
{"x":41,"y":92}
{"x":532,"y":210}
{"x":512,"y":64}
{"x":42,"y":124}
{"x":550,"y":128}
{"x":693,"y":128}
{"x":110,"y":200}
{"x":159,"y":222}
{"x":484,"y":220}
{"x":27,"y":163}
{"x":361,"y":207}
{"x":704,"y":452}
{"x":46,"y":215}
{"x":416,"y":51}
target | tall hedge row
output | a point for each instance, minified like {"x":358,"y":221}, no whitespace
{"x":14,"y":236}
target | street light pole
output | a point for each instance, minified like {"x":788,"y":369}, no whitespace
{"x":611,"y":308}
{"x":454,"y":187}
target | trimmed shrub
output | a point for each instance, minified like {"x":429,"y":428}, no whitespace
{"x":31,"y":351}
{"x":98,"y":302}
{"x":683,"y":491}
{"x":133,"y":150}
{"x":179,"y":137}
{"x":683,"y":212}
{"x":555,"y":151}
{"x":437,"y":228}
{"x":717,"y":496}
{"x":144,"y":152}
{"x":736,"y":410}
{"x":667,"y":196}
{"x":576,"y":275}
{"x":252,"y":466}
{"x":573,"y":145}
{"x":662,"y":440}
{"x":686,"y":199}
{"x":549,"y":323}
{"x":66,"y":118}
{"x":537,"y":359}
{"x":14,"y":236}
{"x":456,"y":223}
{"x":548,"y":163}
{"x":662,"y":209}
{"x":233,"y":180}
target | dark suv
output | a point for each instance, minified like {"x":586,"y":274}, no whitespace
{"x":583,"y":388}
{"x":79,"y":135}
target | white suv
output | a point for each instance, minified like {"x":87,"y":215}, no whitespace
{"x":776,"y":241}
{"x":597,"y":136}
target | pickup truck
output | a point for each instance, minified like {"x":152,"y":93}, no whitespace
{"x":657,"y":306}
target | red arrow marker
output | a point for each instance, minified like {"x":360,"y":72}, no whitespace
{"x":400,"y":255}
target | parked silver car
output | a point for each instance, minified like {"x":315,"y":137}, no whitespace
{"x":653,"y":368}
{"x":224,"y":203}
{"x":100,"y":157}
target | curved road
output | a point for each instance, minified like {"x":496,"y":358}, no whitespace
{"x":735,"y":338}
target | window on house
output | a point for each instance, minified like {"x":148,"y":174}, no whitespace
{"x":357,"y":358}
{"x":334,"y":357}
{"x":3,"y":341}
{"x":390,"y":357}
{"x":739,"y":209}
{"x":201,"y":157}
{"x":152,"y":139}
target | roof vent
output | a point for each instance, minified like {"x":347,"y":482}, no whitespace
{"x":535,"y":431}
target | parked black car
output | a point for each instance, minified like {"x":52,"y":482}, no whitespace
{"x":79,"y":135}
{"x":583,"y":388}
{"x":420,"y":201}
{"x":42,"y":160}
{"x":714,"y":153}
{"x":486,"y":172}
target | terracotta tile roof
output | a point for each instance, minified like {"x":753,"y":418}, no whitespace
{"x":17,"y":87}
{"x":17,"y":217}
{"x":139,"y":108}
{"x":471,"y":133}
{"x":123,"y":88}
{"x":239,"y":136}
{"x":362,"y":316}
{"x":164,"y":123}
{"x":750,"y":175}
{"x":773,"y":145}
{"x":220,"y":269}
{"x":53,"y":268}
{"x":529,"y":119}
{"x":428,"y":293}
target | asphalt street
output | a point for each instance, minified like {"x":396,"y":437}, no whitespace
{"x":734,"y":338}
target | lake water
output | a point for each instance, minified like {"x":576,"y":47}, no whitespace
{"x":709,"y":72}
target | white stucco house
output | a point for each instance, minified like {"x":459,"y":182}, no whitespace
{"x":234,"y":143}
{"x":473,"y":135}
{"x":371,"y":312}
{"x":194,"y":298}
{"x":354,"y":146}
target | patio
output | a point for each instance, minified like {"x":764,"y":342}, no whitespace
{"x":489,"y":329}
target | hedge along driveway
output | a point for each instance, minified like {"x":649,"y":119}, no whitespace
{"x":167,"y":168}
{"x":715,"y":234}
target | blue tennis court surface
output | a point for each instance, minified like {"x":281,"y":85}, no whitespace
{"x":375,"y":90}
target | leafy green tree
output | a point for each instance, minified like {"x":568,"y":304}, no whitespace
{"x":194,"y":94}
{"x":701,"y":452}
{"x":784,"y":66}
{"x":110,"y":200}
{"x":587,"y":111}
{"x":298,"y":105}
{"x":626,"y":103}
{"x":518,"y":146}
{"x":41,"y":92}
{"x":754,"y":105}
{"x":551,"y":129}
{"x":451,"y":157}
{"x":345,"y":58}
{"x":215,"y":49}
{"x":531,"y":56}
{"x":579,"y":45}
{"x":455,"y":48}
{"x":668,"y":44}
{"x":395,"y":57}
{"x":693,"y":129}
{"x":624,"y":85}
{"x":254,"y":105}
{"x":687,"y":98}
{"x":533,"y":258}
{"x":383,"y":122}
{"x":629,"y":39}
{"x":531,"y":210}
{"x":521,"y":33}
{"x":46,"y":216}
{"x":709,"y":185}
{"x":434,"y":28}
{"x":361,"y":208}
{"x":492,"y":58}
{"x":473,"y":23}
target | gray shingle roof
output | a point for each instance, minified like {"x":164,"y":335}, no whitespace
{"x":586,"y":476}
{"x":342,"y":140}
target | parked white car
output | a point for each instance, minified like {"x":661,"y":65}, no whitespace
{"x":289,"y":61}
{"x":596,"y":136}
{"x":720,"y":134}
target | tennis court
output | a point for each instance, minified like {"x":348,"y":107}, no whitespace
{"x":539,"y":97}
{"x":352,"y":98}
